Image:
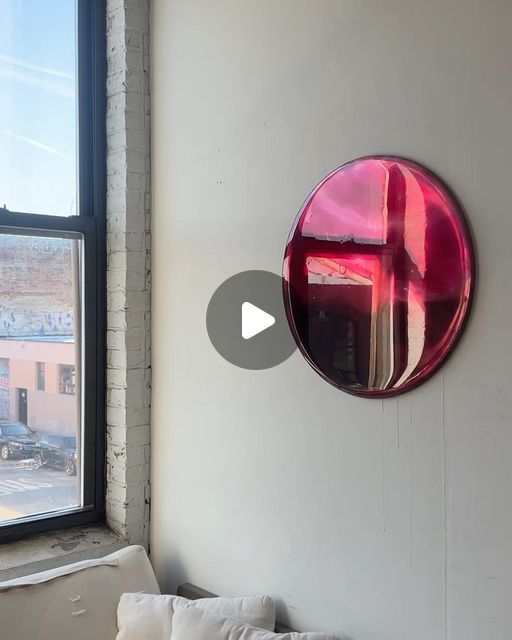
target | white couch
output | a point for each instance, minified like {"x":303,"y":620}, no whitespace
{"x":75,"y":602}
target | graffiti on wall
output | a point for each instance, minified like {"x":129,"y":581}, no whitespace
{"x":17,"y":324}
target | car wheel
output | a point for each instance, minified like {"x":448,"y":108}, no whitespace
{"x":70,"y":468}
{"x":38,"y":460}
{"x":4,"y":452}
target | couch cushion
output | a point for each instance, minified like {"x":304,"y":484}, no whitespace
{"x":77,"y":601}
{"x":196,"y":624}
{"x":141,"y":616}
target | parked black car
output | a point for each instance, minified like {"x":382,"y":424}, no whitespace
{"x":58,"y":452}
{"x":16,"y":440}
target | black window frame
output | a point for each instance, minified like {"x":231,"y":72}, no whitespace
{"x":91,"y":224}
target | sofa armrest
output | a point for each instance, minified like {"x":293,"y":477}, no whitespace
{"x":76,"y":601}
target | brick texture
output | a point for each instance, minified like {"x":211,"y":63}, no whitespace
{"x":128,"y":269}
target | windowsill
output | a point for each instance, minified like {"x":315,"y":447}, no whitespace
{"x":56,"y":549}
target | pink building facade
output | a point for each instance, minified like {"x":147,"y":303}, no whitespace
{"x":37,"y":383}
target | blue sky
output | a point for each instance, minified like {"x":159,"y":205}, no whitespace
{"x":38,"y":106}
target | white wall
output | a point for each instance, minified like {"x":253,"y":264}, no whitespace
{"x":378,"y":520}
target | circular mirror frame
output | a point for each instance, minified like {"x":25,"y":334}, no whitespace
{"x":395,"y":241}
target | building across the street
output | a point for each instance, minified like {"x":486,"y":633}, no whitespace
{"x":37,"y":383}
{"x":37,"y":347}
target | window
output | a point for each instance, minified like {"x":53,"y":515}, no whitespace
{"x":67,"y":379}
{"x":52,"y":264}
{"x":40,"y":376}
{"x":4,"y":388}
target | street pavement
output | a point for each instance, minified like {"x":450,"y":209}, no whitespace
{"x":27,"y":490}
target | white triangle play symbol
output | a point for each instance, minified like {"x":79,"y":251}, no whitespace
{"x":254,"y":320}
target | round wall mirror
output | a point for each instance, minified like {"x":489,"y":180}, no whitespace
{"x":378,"y":276}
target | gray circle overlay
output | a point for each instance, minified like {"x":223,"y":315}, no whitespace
{"x":224,"y":321}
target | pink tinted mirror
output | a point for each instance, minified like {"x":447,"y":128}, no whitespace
{"x":378,"y":276}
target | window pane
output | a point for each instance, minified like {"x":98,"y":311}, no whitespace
{"x":40,"y":376}
{"x":38,"y":106}
{"x":40,"y":364}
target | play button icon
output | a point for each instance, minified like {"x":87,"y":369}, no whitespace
{"x":254,"y":320}
{"x":246,"y":321}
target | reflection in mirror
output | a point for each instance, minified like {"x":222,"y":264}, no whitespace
{"x":378,"y":276}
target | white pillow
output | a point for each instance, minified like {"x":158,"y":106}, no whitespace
{"x":194,"y":624}
{"x":141,"y":616}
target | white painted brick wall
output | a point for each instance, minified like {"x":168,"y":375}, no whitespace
{"x":128,"y":269}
